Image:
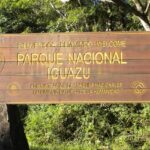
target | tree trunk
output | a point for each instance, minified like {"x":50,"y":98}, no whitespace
{"x":145,"y":24}
{"x":5,"y":140}
{"x":17,"y":134}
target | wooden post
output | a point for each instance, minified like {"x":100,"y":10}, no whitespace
{"x":17,"y":134}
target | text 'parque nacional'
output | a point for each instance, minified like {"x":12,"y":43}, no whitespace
{"x":85,"y":59}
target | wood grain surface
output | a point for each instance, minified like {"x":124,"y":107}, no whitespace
{"x":28,"y":60}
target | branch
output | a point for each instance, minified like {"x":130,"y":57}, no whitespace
{"x":60,"y":13}
{"x":144,"y":20}
{"x":147,"y":8}
{"x":110,"y":1}
{"x":139,"y":5}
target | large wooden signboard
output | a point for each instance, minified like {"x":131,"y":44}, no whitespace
{"x":75,"y":67}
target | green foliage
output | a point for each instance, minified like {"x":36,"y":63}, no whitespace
{"x":24,"y":16}
{"x":117,"y":126}
{"x":19,"y":16}
{"x":66,"y":146}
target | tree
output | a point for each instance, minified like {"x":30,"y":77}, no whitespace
{"x":92,"y":15}
{"x":55,"y":16}
{"x":141,"y":9}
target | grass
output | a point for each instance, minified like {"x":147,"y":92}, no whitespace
{"x":65,"y":146}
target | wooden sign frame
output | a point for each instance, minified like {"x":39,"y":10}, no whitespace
{"x":102,"y":67}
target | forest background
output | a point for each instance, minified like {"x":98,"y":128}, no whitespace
{"x":76,"y":126}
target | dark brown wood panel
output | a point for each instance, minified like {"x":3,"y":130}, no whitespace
{"x":75,"y":67}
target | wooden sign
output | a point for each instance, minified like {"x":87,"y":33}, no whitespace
{"x":75,"y":67}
